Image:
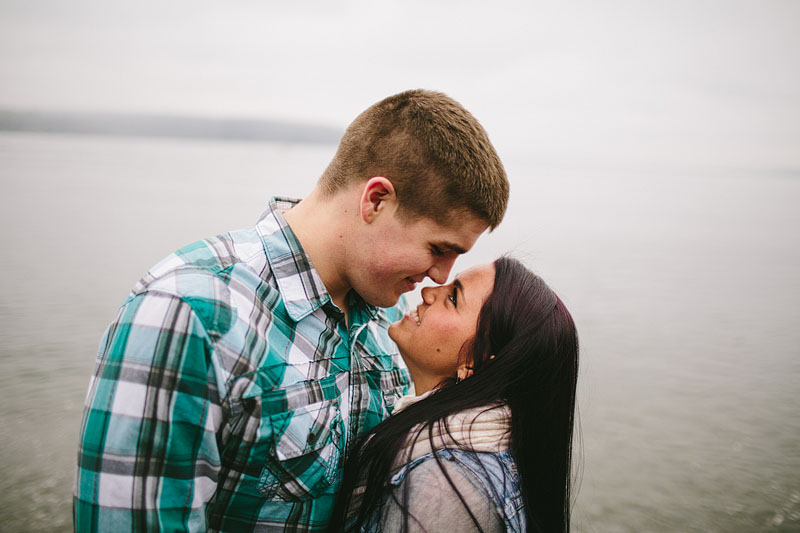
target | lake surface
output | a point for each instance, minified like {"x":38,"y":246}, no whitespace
{"x":683,"y":282}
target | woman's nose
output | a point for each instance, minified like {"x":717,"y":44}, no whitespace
{"x":428,"y":295}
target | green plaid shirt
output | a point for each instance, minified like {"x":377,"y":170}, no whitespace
{"x":227,"y":391}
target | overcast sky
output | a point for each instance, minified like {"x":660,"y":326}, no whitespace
{"x":688,"y":82}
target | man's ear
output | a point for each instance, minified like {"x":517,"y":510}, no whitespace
{"x":377,"y":196}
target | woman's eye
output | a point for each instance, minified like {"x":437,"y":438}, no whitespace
{"x":453,"y":297}
{"x":436,"y":250}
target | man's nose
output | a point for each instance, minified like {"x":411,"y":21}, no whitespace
{"x":440,"y":270}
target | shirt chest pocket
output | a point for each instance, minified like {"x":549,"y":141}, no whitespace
{"x":304,"y":457}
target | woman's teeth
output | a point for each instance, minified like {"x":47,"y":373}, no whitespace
{"x":415,"y":316}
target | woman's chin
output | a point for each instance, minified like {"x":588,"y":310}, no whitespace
{"x":393,"y":329}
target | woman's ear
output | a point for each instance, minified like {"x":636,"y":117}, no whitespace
{"x":463,"y":372}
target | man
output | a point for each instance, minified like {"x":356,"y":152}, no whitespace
{"x":240,"y":368}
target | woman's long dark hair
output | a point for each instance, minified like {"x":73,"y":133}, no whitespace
{"x":532,"y":337}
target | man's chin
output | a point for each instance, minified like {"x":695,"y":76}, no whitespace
{"x":382,"y":300}
{"x":388,"y":302}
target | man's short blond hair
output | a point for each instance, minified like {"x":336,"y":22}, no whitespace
{"x":435,"y":153}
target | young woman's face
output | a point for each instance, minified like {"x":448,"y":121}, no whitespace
{"x":431,"y":336}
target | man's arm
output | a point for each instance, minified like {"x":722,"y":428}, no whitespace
{"x":149,"y":456}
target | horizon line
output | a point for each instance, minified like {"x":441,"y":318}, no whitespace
{"x":165,"y":125}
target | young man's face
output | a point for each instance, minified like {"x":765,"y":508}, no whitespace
{"x":397,"y":254}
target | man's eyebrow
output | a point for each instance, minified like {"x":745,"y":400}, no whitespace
{"x":450,"y":246}
{"x":460,"y":287}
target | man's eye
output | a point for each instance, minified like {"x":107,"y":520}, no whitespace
{"x":453,"y":296}
{"x":436,"y":250}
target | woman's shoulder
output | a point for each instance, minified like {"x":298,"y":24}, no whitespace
{"x":492,"y":473}
{"x":464,"y":460}
{"x":433,"y":492}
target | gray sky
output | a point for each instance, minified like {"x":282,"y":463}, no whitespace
{"x":714,"y":83}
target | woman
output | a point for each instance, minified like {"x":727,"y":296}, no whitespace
{"x":486,"y":445}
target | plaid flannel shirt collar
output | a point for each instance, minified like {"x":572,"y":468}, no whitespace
{"x":298,"y":282}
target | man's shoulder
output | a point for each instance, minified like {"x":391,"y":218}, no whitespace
{"x":209,"y":273}
{"x":213,"y":257}
{"x":215,"y":254}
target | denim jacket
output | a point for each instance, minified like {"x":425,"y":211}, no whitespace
{"x":494,"y":474}
{"x":485,"y":473}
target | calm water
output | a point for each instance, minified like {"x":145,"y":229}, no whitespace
{"x":683,"y":283}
